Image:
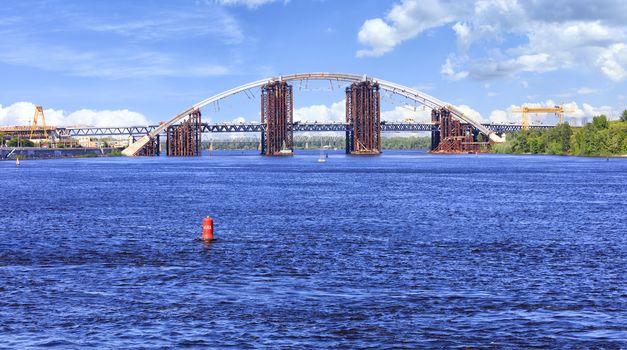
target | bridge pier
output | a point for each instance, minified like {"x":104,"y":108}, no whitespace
{"x":363,"y":114}
{"x":150,"y":149}
{"x":277,"y":119}
{"x":184,"y":140}
{"x":449,"y":135}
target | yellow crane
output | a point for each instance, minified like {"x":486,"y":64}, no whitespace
{"x":39,"y":112}
{"x":558,"y":110}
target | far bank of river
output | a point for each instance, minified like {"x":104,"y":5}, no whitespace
{"x":10,"y":153}
{"x":601,"y":138}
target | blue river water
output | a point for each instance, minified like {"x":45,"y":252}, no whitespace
{"x":405,"y":250}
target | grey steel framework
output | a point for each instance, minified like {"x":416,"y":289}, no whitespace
{"x":415,"y":95}
{"x":297,"y":126}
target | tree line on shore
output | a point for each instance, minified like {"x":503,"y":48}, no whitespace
{"x":318,"y":142}
{"x":600,"y":137}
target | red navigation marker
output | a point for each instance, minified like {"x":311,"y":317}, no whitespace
{"x":207,"y":229}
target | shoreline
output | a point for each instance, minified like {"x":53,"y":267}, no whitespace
{"x":37,"y":153}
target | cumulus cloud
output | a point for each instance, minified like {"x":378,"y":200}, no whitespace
{"x":406,"y":112}
{"x":468,"y":111}
{"x":573,"y":34}
{"x":322,"y":113}
{"x":405,"y":21}
{"x":336,"y":112}
{"x":613,"y":62}
{"x":21,"y":113}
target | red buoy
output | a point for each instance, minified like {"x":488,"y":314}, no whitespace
{"x":207,"y":229}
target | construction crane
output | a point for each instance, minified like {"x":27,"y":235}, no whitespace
{"x":558,"y":110}
{"x":39,"y":112}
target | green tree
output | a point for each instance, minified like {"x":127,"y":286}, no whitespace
{"x":19,"y":142}
{"x":623,"y":117}
{"x":600,"y":121}
{"x":558,"y":139}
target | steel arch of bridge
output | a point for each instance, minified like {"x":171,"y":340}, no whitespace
{"x":412,"y":94}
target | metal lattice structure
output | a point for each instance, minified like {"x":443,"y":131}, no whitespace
{"x":277,"y":119}
{"x":152,"y":148}
{"x":184,"y":140}
{"x":253,"y":127}
{"x":451,"y":136}
{"x":363,"y":114}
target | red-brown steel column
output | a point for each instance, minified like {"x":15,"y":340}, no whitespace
{"x":363,"y":114}
{"x":277,"y":119}
{"x":184,"y":140}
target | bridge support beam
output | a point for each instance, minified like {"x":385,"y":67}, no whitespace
{"x":449,"y":135}
{"x":150,"y":149}
{"x":363,"y":114}
{"x":184,"y":140}
{"x":277,"y":119}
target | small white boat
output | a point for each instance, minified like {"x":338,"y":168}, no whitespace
{"x":285,"y":151}
{"x":323,"y":158}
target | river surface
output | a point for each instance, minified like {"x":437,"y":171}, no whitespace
{"x":405,"y":250}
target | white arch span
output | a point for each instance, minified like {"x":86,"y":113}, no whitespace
{"x":410,"y":93}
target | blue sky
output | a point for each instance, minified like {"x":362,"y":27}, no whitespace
{"x":135,"y":62}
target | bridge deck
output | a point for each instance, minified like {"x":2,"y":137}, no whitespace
{"x":256,"y":127}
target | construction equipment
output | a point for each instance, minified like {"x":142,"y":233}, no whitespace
{"x":39,"y":111}
{"x":558,"y":110}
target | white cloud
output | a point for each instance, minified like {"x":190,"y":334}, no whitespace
{"x":587,"y":91}
{"x":322,"y":113}
{"x":337,"y":113}
{"x":21,"y":113}
{"x":463,"y":35}
{"x":248,"y":3}
{"x":404,"y":21}
{"x":405,"y":112}
{"x":579,"y":34}
{"x":500,"y":117}
{"x":448,"y":69}
{"x":468,"y":111}
{"x":613,"y":62}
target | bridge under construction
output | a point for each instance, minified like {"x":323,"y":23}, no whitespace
{"x":451,"y":131}
{"x":363,"y":116}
